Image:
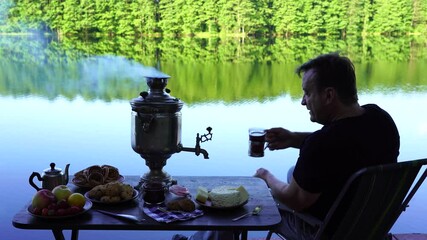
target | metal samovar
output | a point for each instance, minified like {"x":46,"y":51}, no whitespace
{"x":156,"y":129}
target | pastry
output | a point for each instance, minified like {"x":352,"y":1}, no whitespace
{"x":96,"y":175}
{"x":181,"y":204}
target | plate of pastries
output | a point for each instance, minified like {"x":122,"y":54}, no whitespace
{"x":97,"y":175}
{"x":112,"y":193}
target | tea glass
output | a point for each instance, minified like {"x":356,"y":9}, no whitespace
{"x":256,"y":142}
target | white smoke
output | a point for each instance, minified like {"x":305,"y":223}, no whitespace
{"x":99,"y":68}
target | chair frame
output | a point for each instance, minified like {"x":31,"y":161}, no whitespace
{"x":366,"y":184}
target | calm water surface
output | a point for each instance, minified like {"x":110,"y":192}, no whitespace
{"x":36,"y":130}
{"x":84,"y":133}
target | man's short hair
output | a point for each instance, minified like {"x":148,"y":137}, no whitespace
{"x":333,"y":70}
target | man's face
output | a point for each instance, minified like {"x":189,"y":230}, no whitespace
{"x":314,"y":99}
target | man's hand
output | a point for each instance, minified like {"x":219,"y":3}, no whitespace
{"x":262,"y":173}
{"x":292,"y":195}
{"x":280,"y":138}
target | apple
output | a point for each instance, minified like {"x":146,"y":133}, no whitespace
{"x":61,"y":192}
{"x":42,"y":199}
{"x":77,"y":199}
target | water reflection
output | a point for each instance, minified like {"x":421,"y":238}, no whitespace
{"x":69,"y":106}
{"x":109,"y":70}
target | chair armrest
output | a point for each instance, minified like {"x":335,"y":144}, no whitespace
{"x":311,"y":220}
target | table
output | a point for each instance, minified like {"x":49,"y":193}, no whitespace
{"x":211,"y":220}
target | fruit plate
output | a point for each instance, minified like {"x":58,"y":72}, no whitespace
{"x":86,"y":207}
{"x":208,"y":204}
{"x":135,"y":195}
{"x":87,"y":185}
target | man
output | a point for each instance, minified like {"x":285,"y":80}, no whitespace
{"x":352,"y":137}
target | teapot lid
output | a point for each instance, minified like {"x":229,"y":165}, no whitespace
{"x":52,"y":170}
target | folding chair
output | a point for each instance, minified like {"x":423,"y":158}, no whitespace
{"x":373,"y":199}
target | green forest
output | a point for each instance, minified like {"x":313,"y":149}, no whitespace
{"x":215,"y":17}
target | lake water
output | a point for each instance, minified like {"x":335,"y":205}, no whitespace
{"x":49,"y":116}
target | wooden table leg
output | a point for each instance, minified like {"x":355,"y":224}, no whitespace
{"x":57,"y":233}
{"x":74,"y":234}
{"x":243,"y":235}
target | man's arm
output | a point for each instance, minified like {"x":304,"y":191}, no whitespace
{"x":280,"y":138}
{"x":292,"y":195}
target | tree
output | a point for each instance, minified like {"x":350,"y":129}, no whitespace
{"x":29,"y":14}
{"x":105,"y":16}
{"x":242,"y":17}
{"x":336,"y":18}
{"x":123,"y":18}
{"x":419,"y":16}
{"x":209,"y":18}
{"x":314,"y":12}
{"x":72,"y":18}
{"x":285,"y":16}
{"x":355,"y":15}
{"x":391,"y":16}
{"x":53,"y":15}
{"x":265,"y":9}
{"x":249,"y":16}
{"x":192,"y":16}
{"x":145,"y":16}
{"x":88,"y":17}
{"x":171,"y":16}
{"x":226,"y":16}
{"x":368,"y":13}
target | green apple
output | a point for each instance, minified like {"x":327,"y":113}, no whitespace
{"x":61,"y":192}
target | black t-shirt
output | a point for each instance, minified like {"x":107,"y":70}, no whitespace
{"x":329,"y":156}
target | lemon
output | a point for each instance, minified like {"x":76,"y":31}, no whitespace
{"x":76,"y":199}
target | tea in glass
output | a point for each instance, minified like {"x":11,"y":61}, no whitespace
{"x":256,"y":142}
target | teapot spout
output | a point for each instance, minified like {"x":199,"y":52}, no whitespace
{"x":66,"y":174}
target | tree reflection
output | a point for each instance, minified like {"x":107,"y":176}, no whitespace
{"x":201,"y":69}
